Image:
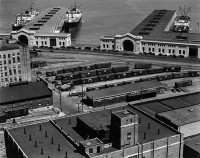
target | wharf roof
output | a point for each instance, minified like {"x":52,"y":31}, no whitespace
{"x":193,"y":142}
{"x":49,"y":149}
{"x":182,"y":116}
{"x":153,"y":108}
{"x":46,"y":20}
{"x":119,"y":90}
{"x":22,"y":92}
{"x":153,"y":26}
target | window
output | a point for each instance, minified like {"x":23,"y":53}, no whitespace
{"x":19,"y":71}
{"x":9,"y":61}
{"x":163,"y":50}
{"x":183,"y":51}
{"x":129,"y":135}
{"x":153,"y":49}
{"x":149,"y":49}
{"x":173,"y":50}
{"x":159,"y":50}
{"x":4,"y":62}
{"x":37,"y":43}
{"x":143,"y":49}
{"x":8,"y":55}
{"x":6,"y":74}
{"x":179,"y":51}
{"x":4,"y":56}
{"x":169,"y":50}
{"x":45,"y":42}
{"x":90,"y":150}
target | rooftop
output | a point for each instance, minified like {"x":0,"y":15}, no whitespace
{"x":153,"y":26}
{"x":91,"y":142}
{"x":193,"y":142}
{"x":183,"y":116}
{"x":22,"y":92}
{"x":68,"y":125}
{"x":124,"y":113}
{"x":46,"y":20}
{"x":49,"y":149}
{"x":122,"y":89}
{"x":175,"y":103}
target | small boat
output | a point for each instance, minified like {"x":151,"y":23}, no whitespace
{"x":25,"y":18}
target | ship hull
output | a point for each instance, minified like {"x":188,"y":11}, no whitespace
{"x":67,"y":26}
{"x":16,"y":27}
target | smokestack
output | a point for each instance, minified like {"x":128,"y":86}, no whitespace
{"x":148,"y":125}
{"x":42,"y":151}
{"x":24,"y":130}
{"x":158,"y":132}
{"x":58,"y":147}
{"x":52,"y":140}
{"x":30,"y":137}
{"x":46,"y":134}
{"x":35,"y":143}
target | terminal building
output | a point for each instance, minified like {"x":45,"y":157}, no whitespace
{"x":44,"y":30}
{"x":120,"y":132}
{"x":154,"y":36}
{"x":14,"y":64}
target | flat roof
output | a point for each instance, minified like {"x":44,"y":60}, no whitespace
{"x":118,"y":90}
{"x":191,"y":99}
{"x":123,"y":113}
{"x":68,"y":125}
{"x":155,"y":30}
{"x":48,"y":23}
{"x":91,"y":142}
{"x":20,"y":92}
{"x":183,"y":116}
{"x":153,"y":108}
{"x":193,"y":142}
{"x":175,"y":103}
{"x":49,"y":149}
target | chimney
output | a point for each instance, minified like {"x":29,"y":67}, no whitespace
{"x":30,"y":137}
{"x":158,"y":132}
{"x":24,"y":130}
{"x":148,"y":125}
{"x":144,"y":135}
{"x":40,"y":128}
{"x":35,"y":143}
{"x":51,"y":140}
{"x":58,"y":147}
{"x":42,"y":151}
{"x":46,"y":134}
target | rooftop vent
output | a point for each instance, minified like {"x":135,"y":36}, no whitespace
{"x":147,"y":28}
{"x":34,"y":28}
{"x":154,"y":21}
{"x":56,"y":8}
{"x":159,"y":15}
{"x":143,"y":33}
{"x":190,"y":110}
{"x":151,"y":24}
{"x":38,"y":24}
{"x":125,"y":112}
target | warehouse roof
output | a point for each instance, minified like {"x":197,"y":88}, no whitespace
{"x":183,"y":116}
{"x":153,"y":108}
{"x":49,"y":149}
{"x":119,"y":90}
{"x":23,"y":91}
{"x":191,"y":99}
{"x":193,"y":142}
{"x":175,"y":103}
{"x":46,"y":20}
{"x":153,"y":26}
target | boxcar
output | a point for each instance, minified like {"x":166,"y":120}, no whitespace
{"x":183,"y":83}
{"x":142,"y":66}
{"x":50,"y":73}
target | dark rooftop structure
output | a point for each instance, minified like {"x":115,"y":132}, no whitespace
{"x":153,"y":28}
{"x":113,"y":91}
{"x":23,"y":91}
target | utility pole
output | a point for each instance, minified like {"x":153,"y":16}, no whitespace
{"x":60,"y":100}
{"x":82,"y":98}
{"x":141,"y":94}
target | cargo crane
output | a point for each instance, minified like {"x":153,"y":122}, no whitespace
{"x":197,"y":28}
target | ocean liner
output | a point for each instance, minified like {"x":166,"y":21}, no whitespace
{"x":23,"y":19}
{"x":72,"y":19}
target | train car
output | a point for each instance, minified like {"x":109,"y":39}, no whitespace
{"x":59,"y":76}
{"x":92,"y":67}
{"x":90,"y":89}
{"x":155,"y":70}
{"x":148,"y":78}
{"x":165,"y":77}
{"x":120,"y":69}
{"x":104,"y":71}
{"x":142,"y":66}
{"x":139,"y":72}
{"x":172,"y":68}
{"x":183,"y":83}
{"x":60,"y":71}
{"x":67,"y":76}
{"x":194,"y":73}
{"x":103,"y":65}
{"x":83,"y":68}
{"x":89,"y":80}
{"x":88,"y":73}
{"x":76,"y":75}
{"x":50,"y":73}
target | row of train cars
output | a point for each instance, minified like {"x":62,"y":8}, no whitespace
{"x":104,"y":72}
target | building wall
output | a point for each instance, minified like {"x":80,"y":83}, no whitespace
{"x":190,"y":129}
{"x":171,"y":147}
{"x":14,"y":66}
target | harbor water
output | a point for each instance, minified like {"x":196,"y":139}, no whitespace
{"x":100,"y":17}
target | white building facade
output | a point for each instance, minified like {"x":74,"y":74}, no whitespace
{"x":14,"y":66}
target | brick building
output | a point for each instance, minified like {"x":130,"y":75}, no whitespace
{"x":118,"y":132}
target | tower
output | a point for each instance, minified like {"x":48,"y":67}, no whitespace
{"x":124,"y":129}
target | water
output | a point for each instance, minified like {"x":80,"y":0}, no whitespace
{"x":100,"y":17}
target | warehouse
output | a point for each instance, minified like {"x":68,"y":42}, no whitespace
{"x":143,"y":136}
{"x":35,"y":94}
{"x":153,"y":36}
{"x":123,"y":93}
{"x":185,"y":120}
